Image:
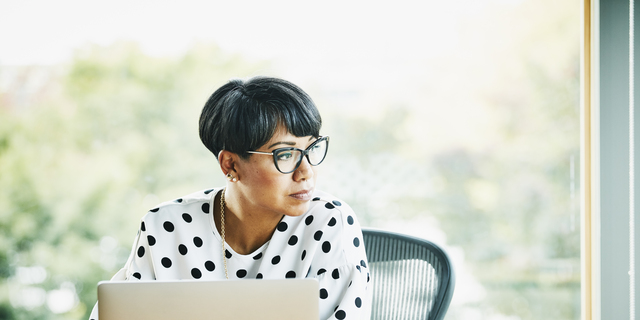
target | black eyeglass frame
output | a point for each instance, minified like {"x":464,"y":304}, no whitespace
{"x":305,"y":153}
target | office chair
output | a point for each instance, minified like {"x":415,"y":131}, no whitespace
{"x":412,"y":278}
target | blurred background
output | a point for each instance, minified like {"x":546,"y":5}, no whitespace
{"x":456,"y":121}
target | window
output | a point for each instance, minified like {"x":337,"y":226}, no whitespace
{"x":457,"y":121}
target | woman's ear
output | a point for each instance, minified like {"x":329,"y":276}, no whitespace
{"x":228,"y":160}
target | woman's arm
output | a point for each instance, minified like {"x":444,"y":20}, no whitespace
{"x":342,"y":267}
{"x":137,"y":267}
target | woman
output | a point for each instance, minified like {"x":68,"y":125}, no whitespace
{"x":269,"y":222}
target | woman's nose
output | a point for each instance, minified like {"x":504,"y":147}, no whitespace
{"x":304,"y":171}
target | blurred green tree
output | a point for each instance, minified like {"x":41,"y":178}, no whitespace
{"x":79,"y":157}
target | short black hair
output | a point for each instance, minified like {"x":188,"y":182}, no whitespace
{"x":242,"y":115}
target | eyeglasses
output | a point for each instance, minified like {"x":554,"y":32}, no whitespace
{"x":288,"y":160}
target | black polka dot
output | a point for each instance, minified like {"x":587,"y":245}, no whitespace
{"x":151,"y":240}
{"x":308,"y":220}
{"x":293,"y":240}
{"x":168,"y":226}
{"x":350,"y":283}
{"x":154,"y":209}
{"x":290,"y":275}
{"x":336,"y":308}
{"x":182,"y":249}
{"x":362,"y":263}
{"x":241,"y":273}
{"x":187,"y":218}
{"x":326,"y":247}
{"x":336,"y":203}
{"x":323,"y":293}
{"x":205,"y":207}
{"x":137,"y":275}
{"x":257,"y":256}
{"x":259,"y":276}
{"x":208,"y":191}
{"x":335,"y":274}
{"x":195,"y":273}
{"x":341,"y":315}
{"x":142,"y":226}
{"x":368,"y":278}
{"x":356,"y":242}
{"x":321,"y":271}
{"x":209,"y":265}
{"x":275,"y":260}
{"x":328,"y":205}
{"x":315,"y":199}
{"x":358,"y":267}
{"x":141,"y":251}
{"x":358,"y":302}
{"x":282,"y":226}
{"x":304,"y":254}
{"x":166,"y":262}
{"x":332,"y":222}
{"x":318,"y":235}
{"x":350,"y":220}
{"x":197,"y":242}
{"x":179,"y":200}
{"x":227,"y":254}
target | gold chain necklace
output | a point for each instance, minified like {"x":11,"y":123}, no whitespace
{"x":224,"y":251}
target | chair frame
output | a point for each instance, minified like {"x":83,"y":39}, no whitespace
{"x":447,"y":280}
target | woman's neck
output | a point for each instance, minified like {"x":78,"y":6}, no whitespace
{"x":246,"y":229}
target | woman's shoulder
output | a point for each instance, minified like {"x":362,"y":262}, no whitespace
{"x":323,"y":201}
{"x":338,"y":230}
{"x":331,"y":210}
{"x":194,"y":203}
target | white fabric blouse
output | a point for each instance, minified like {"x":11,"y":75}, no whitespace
{"x":178,"y":240}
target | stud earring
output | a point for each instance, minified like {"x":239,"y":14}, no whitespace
{"x":231,"y":178}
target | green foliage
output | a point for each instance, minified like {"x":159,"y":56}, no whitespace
{"x":76,"y":163}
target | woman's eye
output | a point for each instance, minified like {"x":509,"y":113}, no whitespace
{"x":285,"y":156}
{"x":315,"y":148}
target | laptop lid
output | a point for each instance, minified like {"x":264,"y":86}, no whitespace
{"x":196,"y":300}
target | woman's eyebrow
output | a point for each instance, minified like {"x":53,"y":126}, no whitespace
{"x":289,"y":143}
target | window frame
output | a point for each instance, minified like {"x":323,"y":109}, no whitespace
{"x":605,"y":160}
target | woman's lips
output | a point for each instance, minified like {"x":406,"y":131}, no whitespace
{"x":304,"y":195}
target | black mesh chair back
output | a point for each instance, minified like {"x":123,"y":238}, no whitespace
{"x":412,"y":278}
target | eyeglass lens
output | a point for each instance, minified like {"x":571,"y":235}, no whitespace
{"x":287,"y":160}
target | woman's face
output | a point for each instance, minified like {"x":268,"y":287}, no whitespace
{"x":262,"y":188}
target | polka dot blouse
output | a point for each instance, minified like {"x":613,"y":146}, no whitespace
{"x":179,"y":240}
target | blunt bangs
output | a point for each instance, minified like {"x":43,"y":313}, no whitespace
{"x":243,"y":116}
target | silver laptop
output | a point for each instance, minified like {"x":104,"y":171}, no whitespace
{"x":221,"y":300}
